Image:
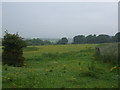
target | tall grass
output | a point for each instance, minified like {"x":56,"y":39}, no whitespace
{"x":108,"y":53}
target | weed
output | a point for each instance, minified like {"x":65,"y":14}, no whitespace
{"x":90,"y":74}
{"x":79,"y":63}
{"x":51,"y":70}
{"x":92,"y":66}
{"x":5,"y":67}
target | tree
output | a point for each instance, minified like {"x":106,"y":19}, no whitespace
{"x":37,"y":41}
{"x":117,"y":37}
{"x":102,"y":38}
{"x":46,"y":42}
{"x":79,"y":39}
{"x":91,"y":38}
{"x":64,"y":40}
{"x":12,"y":49}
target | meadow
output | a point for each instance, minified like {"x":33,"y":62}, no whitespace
{"x":60,"y":66}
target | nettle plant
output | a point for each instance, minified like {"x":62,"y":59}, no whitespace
{"x":13,"y":50}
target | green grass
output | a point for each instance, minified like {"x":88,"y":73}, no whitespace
{"x":60,"y":66}
{"x":30,"y":48}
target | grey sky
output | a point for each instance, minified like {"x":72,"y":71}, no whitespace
{"x":55,"y":20}
{"x":0,"y":19}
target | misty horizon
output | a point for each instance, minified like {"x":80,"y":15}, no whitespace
{"x":57,"y":20}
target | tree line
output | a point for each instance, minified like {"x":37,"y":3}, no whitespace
{"x":79,"y":39}
{"x":37,"y":41}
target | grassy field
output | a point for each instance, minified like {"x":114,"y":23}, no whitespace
{"x":60,"y":66}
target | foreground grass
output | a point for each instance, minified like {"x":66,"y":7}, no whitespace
{"x":60,"y":66}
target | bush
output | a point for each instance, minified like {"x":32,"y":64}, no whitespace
{"x":12,"y":49}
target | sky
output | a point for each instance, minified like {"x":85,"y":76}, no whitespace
{"x":60,"y":19}
{"x":0,"y":19}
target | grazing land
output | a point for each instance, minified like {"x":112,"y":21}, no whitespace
{"x":61,"y":66}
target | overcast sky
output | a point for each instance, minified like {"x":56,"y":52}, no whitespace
{"x":0,"y":19}
{"x":56,"y":20}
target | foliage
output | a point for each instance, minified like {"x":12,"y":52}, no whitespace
{"x":117,"y":37}
{"x":103,"y":38}
{"x":12,"y":50}
{"x":63,"y":41}
{"x":93,"y":39}
{"x":38,"y":41}
{"x":79,"y":39}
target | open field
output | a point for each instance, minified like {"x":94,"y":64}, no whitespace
{"x":60,"y":66}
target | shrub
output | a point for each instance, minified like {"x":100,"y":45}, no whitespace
{"x":12,"y":49}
